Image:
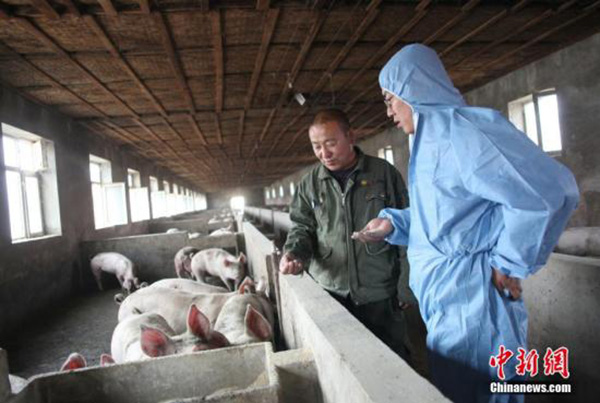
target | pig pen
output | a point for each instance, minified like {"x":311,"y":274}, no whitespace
{"x":329,"y":356}
{"x":192,"y":223}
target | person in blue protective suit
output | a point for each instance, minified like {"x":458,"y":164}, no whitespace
{"x":487,"y":208}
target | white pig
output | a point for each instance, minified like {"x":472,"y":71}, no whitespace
{"x":188,"y":285}
{"x":148,"y":335}
{"x":219,"y":263}
{"x":172,"y":305}
{"x":246,"y":318}
{"x":117,"y":264}
{"x":580,"y":241}
{"x":173,"y":231}
{"x":183,"y":260}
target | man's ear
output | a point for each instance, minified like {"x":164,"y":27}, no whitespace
{"x":351,"y":137}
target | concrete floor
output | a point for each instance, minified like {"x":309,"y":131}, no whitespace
{"x":84,"y":325}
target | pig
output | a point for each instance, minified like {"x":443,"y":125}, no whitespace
{"x":246,"y":318}
{"x":193,"y":235}
{"x":172,"y":305}
{"x":219,"y":263}
{"x":117,"y":264}
{"x":173,"y":231}
{"x":148,"y":335}
{"x":188,"y":285}
{"x":223,"y":231}
{"x":74,"y":361}
{"x":106,"y":359}
{"x":183,"y":260}
{"x":580,"y":241}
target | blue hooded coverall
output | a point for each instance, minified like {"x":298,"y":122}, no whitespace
{"x":482,"y":195}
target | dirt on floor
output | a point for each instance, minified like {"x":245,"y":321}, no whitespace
{"x":84,"y":325}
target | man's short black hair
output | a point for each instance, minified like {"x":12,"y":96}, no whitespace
{"x":332,"y":115}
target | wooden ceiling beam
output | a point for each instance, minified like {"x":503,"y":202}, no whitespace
{"x":262,"y":5}
{"x":268,"y":29}
{"x":218,"y":129}
{"x":584,"y":13}
{"x":217,"y":40}
{"x":241,"y":132}
{"x":523,"y":28}
{"x":342,"y":54}
{"x":108,"y":44}
{"x":490,"y":22}
{"x":108,"y":7}
{"x":169,"y":47}
{"x":44,"y":7}
{"x":463,"y":12}
{"x":315,"y":27}
{"x":71,"y":7}
{"x":144,"y":6}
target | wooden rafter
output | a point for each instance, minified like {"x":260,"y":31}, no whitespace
{"x":217,"y":39}
{"x":420,"y":12}
{"x":108,"y":7}
{"x":490,"y":22}
{"x":342,"y":54}
{"x":218,"y":129}
{"x":144,"y":6}
{"x":169,"y":47}
{"x":241,"y":131}
{"x":306,"y":45}
{"x":71,"y":7}
{"x":101,"y":34}
{"x":263,"y":4}
{"x":463,"y":12}
{"x":588,"y":10}
{"x":268,"y":29}
{"x":525,"y":27}
{"x":46,"y":9}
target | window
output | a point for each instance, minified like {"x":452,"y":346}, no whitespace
{"x":158,"y":200}
{"x":166,"y":187}
{"x":238,"y":203}
{"x":31,"y":185}
{"x":292,"y":188}
{"x":537,"y":116}
{"x":200,"y":201}
{"x":108,"y":198}
{"x":387,"y":154}
{"x":138,"y":197}
{"x":281,"y":192}
{"x":267,"y":194}
{"x":272,"y":193}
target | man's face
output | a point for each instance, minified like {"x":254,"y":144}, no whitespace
{"x":400,"y":112}
{"x":333,"y":147}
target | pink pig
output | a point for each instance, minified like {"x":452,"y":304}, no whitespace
{"x":117,"y":264}
{"x":219,"y":263}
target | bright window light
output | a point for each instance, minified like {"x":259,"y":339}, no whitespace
{"x":292,"y":188}
{"x":281,"y":192}
{"x":537,"y":116}
{"x":238,"y":203}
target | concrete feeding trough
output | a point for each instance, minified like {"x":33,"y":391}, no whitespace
{"x":328,"y":356}
{"x":242,"y":372}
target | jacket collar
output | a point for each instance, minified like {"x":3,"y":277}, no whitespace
{"x":324,"y":172}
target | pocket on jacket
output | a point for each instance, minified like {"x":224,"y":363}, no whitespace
{"x":377,"y":248}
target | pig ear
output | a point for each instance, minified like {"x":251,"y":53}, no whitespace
{"x":218,"y":340}
{"x":74,"y":361}
{"x":247,"y":286}
{"x":257,"y":324}
{"x":106,"y":359}
{"x":155,"y":343}
{"x":198,"y":323}
{"x":242,"y":258}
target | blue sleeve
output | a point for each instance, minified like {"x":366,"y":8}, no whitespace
{"x":400,"y":220}
{"x":536,"y":194}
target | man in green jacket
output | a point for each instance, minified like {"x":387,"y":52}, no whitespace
{"x":336,"y":198}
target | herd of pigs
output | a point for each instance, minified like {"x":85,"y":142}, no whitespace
{"x":183,"y":314}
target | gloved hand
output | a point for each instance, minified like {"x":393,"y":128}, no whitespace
{"x":290,"y":265}
{"x":505,"y":283}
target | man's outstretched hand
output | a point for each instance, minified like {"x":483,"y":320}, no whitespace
{"x":289,"y":264}
{"x":503,"y":282}
{"x":376,"y":230}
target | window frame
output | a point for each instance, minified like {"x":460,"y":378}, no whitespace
{"x":23,"y":175}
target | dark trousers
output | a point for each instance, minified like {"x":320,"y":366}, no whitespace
{"x":383,"y":318}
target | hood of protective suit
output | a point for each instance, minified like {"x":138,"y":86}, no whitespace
{"x":417,"y":76}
